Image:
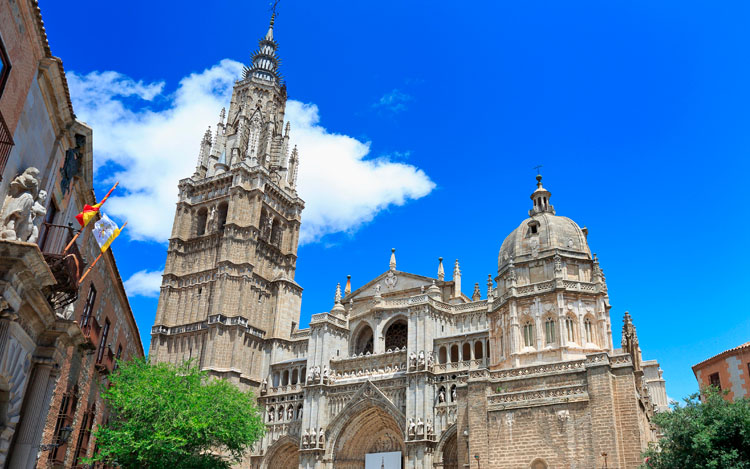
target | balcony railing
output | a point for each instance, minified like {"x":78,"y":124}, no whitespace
{"x":66,"y":266}
{"x":106,"y":363}
{"x":92,"y":331}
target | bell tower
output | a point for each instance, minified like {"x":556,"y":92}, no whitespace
{"x":228,"y":284}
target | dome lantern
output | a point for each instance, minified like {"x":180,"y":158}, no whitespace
{"x":541,"y":198}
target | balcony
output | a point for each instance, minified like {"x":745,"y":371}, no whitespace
{"x":105,"y":361}
{"x":92,"y":332}
{"x":66,"y":265}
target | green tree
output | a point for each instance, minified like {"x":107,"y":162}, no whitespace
{"x":710,"y":433}
{"x":167,"y":416}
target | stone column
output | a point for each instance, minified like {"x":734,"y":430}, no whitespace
{"x":36,"y":407}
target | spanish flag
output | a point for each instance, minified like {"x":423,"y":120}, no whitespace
{"x":90,"y":211}
{"x":105,"y":231}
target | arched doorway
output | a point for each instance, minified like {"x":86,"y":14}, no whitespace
{"x":450,"y":452}
{"x":283,"y":454}
{"x":371,"y":430}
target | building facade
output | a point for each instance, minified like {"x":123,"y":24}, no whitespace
{"x":729,"y":371}
{"x":46,"y":170}
{"x":524,"y":374}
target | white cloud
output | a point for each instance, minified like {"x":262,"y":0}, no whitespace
{"x":394,"y":101}
{"x":144,"y":283}
{"x":154,"y":138}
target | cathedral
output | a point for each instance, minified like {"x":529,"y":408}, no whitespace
{"x":405,"y":371}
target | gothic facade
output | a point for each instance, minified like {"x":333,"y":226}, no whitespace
{"x":521,"y":374}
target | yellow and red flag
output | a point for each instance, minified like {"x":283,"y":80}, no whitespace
{"x":90,"y":211}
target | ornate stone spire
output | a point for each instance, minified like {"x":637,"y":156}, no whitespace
{"x":541,"y":198}
{"x":490,"y":286}
{"x":630,"y":341}
{"x":337,"y":306}
{"x":456,"y":280}
{"x":477,"y":295}
{"x":392,"y":264}
{"x":441,"y":271}
{"x":348,"y":288}
{"x":265,"y":63}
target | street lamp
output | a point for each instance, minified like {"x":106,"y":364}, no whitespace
{"x":62,"y":438}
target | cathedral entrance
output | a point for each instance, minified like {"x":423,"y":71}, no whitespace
{"x":283,"y":454}
{"x":371,"y":430}
{"x":450,"y":452}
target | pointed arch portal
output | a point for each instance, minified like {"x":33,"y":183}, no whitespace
{"x":371,"y":431}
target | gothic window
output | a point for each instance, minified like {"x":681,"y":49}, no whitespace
{"x":487,"y":348}
{"x":443,"y":355}
{"x":589,"y":330}
{"x":285,"y":379}
{"x":570,"y":329}
{"x":528,"y":333}
{"x":454,"y":353}
{"x":223,"y":209}
{"x":478,"y":352}
{"x":397,"y":335}
{"x":276,"y":379}
{"x":294,"y":376}
{"x":466,"y":351}
{"x":200,"y":223}
{"x":276,"y":231}
{"x":302,"y":375}
{"x":363,"y":343}
{"x":549,"y":331}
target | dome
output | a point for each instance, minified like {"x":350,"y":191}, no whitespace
{"x":543,"y":231}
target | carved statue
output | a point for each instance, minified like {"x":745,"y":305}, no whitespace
{"x":313,"y":437}
{"x":264,"y":386}
{"x":316,"y":374}
{"x":305,"y":439}
{"x":299,"y":413}
{"x":15,"y":216}
{"x":281,"y":414}
{"x":413,"y":360}
{"x":453,"y":395}
{"x":38,"y":211}
{"x":325,"y":374}
{"x":430,"y":360}
{"x":310,"y":376}
{"x":211,"y":222}
{"x":377,"y":290}
{"x":321,"y":437}
{"x":412,"y":427}
{"x":421,"y":359}
{"x":270,"y":414}
{"x":428,"y":428}
{"x":441,"y":396}
{"x":420,"y":426}
{"x":290,"y":413}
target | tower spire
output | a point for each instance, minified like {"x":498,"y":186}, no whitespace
{"x":441,"y":270}
{"x":265,"y":64}
{"x":392,"y":263}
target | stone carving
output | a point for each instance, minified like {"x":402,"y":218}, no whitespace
{"x":413,"y":360}
{"x":430,"y":360}
{"x":281,"y":413}
{"x":420,"y":426}
{"x":211,"y":222}
{"x":534,"y":247}
{"x":421,"y":360}
{"x":264,"y":387}
{"x":428,"y":427}
{"x":270,"y":414}
{"x":558,"y":263}
{"x":321,"y":437}
{"x":313,"y":437}
{"x":299,"y":413}
{"x":306,"y":439}
{"x":38,"y":211}
{"x":316,"y":374}
{"x":16,"y":215}
{"x":290,"y":413}
{"x":563,"y":415}
{"x":441,"y":396}
{"x":310,"y":377}
{"x":391,"y":279}
{"x":325,"y":374}
{"x":412,"y":428}
{"x":453,"y":394}
{"x":377,"y":290}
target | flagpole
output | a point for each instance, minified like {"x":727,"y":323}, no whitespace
{"x":97,"y":259}
{"x":82,"y":228}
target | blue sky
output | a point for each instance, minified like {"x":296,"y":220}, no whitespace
{"x":638,"y":110}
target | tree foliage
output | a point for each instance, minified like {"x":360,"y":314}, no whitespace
{"x":710,"y":433}
{"x":167,"y":416}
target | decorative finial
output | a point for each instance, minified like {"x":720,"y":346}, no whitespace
{"x":538,"y":180}
{"x":348,"y":288}
{"x":441,"y":271}
{"x":490,"y":284}
{"x":456,"y":269}
{"x":477,"y":295}
{"x":337,"y":298}
{"x":392,"y":264}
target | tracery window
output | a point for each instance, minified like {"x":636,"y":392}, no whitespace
{"x":549,"y":331}
{"x":396,"y":336}
{"x":528,"y":333}
{"x":588,"y":329}
{"x":570,"y":328}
